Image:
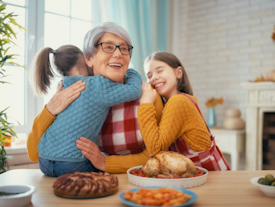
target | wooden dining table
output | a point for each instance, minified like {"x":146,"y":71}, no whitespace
{"x":222,"y":188}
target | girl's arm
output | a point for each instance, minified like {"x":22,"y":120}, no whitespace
{"x":44,"y":119}
{"x":176,"y":120}
{"x":114,"y":93}
{"x":180,"y":118}
{"x":159,"y":138}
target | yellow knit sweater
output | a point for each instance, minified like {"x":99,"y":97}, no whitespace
{"x":180,"y":118}
{"x":114,"y":163}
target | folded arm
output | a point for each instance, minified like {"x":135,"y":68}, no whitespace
{"x":159,"y":138}
{"x":180,"y":118}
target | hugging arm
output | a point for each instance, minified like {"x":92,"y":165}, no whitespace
{"x":113,"y":163}
{"x":44,"y":119}
{"x":180,"y":118}
{"x":121,"y":163}
{"x":159,"y":137}
{"x":114,"y":93}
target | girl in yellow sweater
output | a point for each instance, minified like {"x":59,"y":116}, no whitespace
{"x":182,"y":127}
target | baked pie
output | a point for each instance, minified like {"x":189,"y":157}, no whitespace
{"x":85,"y":185}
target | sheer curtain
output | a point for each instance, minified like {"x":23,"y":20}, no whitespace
{"x":146,"y":21}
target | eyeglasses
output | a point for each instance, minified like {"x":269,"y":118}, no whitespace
{"x":110,"y":48}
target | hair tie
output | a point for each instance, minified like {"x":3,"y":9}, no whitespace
{"x":53,"y":52}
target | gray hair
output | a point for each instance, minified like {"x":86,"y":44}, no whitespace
{"x":92,"y":37}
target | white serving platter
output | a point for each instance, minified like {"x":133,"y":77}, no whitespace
{"x":179,"y":182}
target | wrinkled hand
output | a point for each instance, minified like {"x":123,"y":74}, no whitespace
{"x":90,"y":150}
{"x":62,"y":98}
{"x":148,"y":93}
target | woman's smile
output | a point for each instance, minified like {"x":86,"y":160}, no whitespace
{"x":115,"y":65}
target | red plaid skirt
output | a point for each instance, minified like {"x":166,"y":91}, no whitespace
{"x":210,"y":159}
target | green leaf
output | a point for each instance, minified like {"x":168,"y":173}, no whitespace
{"x":13,"y":63}
{"x":2,"y":7}
{"x":8,"y":41}
{"x":15,"y":23}
{"x":3,"y":82}
{"x":5,"y":156}
{"x":1,"y":139}
{"x":6,"y":50}
{"x":1,"y":112}
{"x":8,"y":30}
{"x":7,"y":16}
{"x":5,"y":139}
{"x":11,"y":30}
{"x":5,"y":76}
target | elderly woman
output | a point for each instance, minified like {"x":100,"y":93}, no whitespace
{"x":120,"y":137}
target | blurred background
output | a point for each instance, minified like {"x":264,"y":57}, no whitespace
{"x":221,"y":43}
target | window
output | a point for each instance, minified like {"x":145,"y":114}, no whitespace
{"x":50,"y":23}
{"x":75,"y":16}
{"x":12,"y":94}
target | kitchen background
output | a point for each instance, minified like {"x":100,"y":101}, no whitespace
{"x":221,"y":43}
{"x":224,"y":43}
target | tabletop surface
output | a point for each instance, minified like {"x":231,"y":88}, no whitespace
{"x":222,"y":188}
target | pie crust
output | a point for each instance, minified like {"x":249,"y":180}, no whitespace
{"x":85,"y":185}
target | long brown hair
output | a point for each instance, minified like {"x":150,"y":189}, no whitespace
{"x":183,"y":85}
{"x":41,"y":74}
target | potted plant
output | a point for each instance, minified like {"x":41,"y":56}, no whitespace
{"x":7,"y":23}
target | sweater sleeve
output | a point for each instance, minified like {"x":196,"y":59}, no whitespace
{"x":180,"y":117}
{"x":121,"y":163}
{"x":114,"y":93}
{"x":41,"y":123}
{"x":158,"y":107}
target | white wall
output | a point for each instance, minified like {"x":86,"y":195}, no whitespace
{"x":221,"y":44}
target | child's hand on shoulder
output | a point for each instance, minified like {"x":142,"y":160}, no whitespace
{"x":148,"y":93}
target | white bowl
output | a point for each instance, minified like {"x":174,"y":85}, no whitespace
{"x":179,"y":182}
{"x":21,"y":198}
{"x":266,"y":189}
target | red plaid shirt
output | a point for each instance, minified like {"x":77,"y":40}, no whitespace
{"x":120,"y":134}
{"x":210,"y":159}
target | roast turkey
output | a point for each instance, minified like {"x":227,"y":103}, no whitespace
{"x":169,"y":164}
